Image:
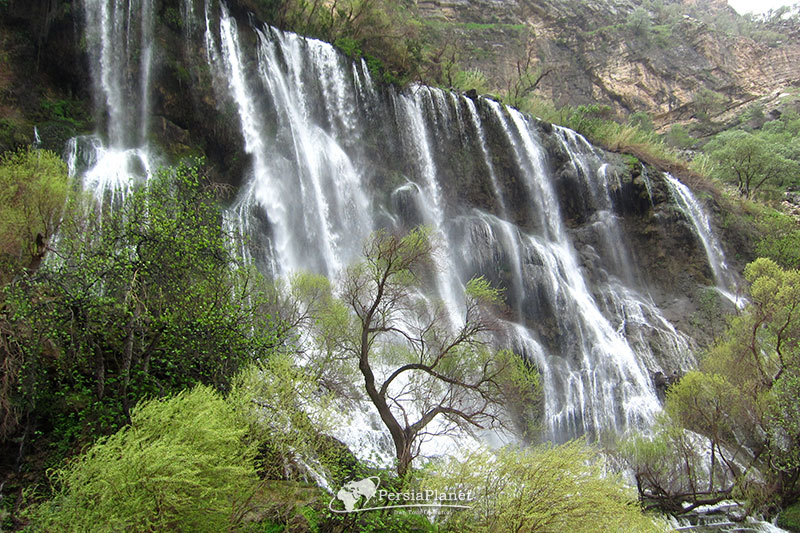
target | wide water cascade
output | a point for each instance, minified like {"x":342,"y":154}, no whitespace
{"x":334,"y":156}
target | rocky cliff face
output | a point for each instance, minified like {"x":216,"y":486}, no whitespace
{"x":42,"y":75}
{"x":190,"y":117}
{"x":632,"y":55}
{"x":598,"y":259}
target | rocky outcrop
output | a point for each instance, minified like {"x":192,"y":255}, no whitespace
{"x":618,"y":53}
{"x":43,"y":77}
{"x":593,"y":52}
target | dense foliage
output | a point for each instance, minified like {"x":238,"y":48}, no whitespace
{"x":743,"y":401}
{"x":182,"y":464}
{"x":139,"y":297}
{"x":33,"y":191}
{"x":547,"y":489}
{"x":190,"y":463}
{"x":754,"y":160}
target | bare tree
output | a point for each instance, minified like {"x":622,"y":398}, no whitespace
{"x":529,"y":73}
{"x":417,"y":367}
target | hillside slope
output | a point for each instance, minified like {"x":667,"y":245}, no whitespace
{"x":674,"y":59}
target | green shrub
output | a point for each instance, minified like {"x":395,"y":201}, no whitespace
{"x":678,"y":137}
{"x":33,"y":189}
{"x":14,"y":134}
{"x":747,"y":389}
{"x":586,"y":119}
{"x":181,"y":465}
{"x":642,"y":120}
{"x":550,"y":488}
{"x":64,"y":110}
{"x":781,"y":239}
{"x":349,"y":46}
{"x":753,"y":161}
{"x":141,"y":300}
{"x":790,"y":518}
{"x":708,"y":103}
{"x":465,"y":80}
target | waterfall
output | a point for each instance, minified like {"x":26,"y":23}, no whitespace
{"x":119,"y":43}
{"x":301,"y":177}
{"x":306,"y":114}
{"x":333,"y":156}
{"x":590,"y":168}
{"x":691,"y":207}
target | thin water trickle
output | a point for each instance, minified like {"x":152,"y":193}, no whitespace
{"x":691,"y":207}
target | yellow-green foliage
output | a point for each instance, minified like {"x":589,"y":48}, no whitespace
{"x":472,"y":79}
{"x":482,"y":291}
{"x":283,"y":405}
{"x":702,"y":402}
{"x":545,"y":489}
{"x":595,"y":123}
{"x":181,"y":465}
{"x":668,"y":464}
{"x":748,"y":385}
{"x":754,"y":161}
{"x":33,"y":189}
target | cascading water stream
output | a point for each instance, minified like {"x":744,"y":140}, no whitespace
{"x":593,"y":172}
{"x":303,"y":180}
{"x":119,"y":41}
{"x":415,"y":137}
{"x":694,"y":211}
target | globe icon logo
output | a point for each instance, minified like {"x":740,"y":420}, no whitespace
{"x":351,"y":492}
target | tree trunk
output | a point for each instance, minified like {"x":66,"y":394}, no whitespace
{"x":401,"y":441}
{"x":404,"y":456}
{"x":127,"y":358}
{"x":99,"y":372}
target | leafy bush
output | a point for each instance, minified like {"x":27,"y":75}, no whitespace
{"x":70,"y":111}
{"x":33,"y":189}
{"x":465,"y":80}
{"x":708,"y":103}
{"x":781,"y":239}
{"x":545,"y":489}
{"x":349,"y":46}
{"x":678,"y":137}
{"x":752,"y":161}
{"x":642,"y":120}
{"x":142,"y":299}
{"x":586,"y":119}
{"x":638,"y":22}
{"x":670,"y":469}
{"x":746,"y":391}
{"x":789,"y":518}
{"x":181,"y":465}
